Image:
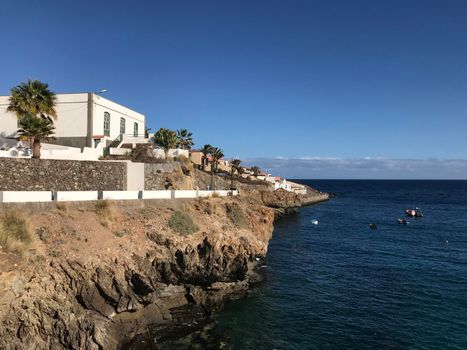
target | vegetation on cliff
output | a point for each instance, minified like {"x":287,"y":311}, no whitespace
{"x":236,"y":215}
{"x":15,"y":232}
{"x":182,"y":223}
{"x":105,"y":210}
{"x":86,"y":286}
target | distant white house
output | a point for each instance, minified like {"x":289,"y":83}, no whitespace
{"x":280,"y":183}
{"x":85,"y":120}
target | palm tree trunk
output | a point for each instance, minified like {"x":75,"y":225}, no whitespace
{"x":36,"y":149}
{"x":166,"y":152}
{"x":213,"y":187}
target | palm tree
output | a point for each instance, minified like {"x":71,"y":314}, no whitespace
{"x":206,"y":150}
{"x":234,"y":167}
{"x":166,"y":139}
{"x":33,"y":99}
{"x":256,"y":170}
{"x":216,"y":154}
{"x":185,"y":139}
{"x":36,"y":129}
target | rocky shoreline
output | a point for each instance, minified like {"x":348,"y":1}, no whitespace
{"x":94,"y":282}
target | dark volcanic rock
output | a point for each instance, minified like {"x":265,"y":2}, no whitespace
{"x":102,"y":290}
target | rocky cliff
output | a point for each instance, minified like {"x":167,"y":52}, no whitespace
{"x":96,"y":276}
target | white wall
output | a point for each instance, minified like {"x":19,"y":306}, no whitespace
{"x":50,"y":151}
{"x":8,"y":121}
{"x":120,"y":195}
{"x":63,"y":196}
{"x":177,"y":152}
{"x":174,"y":152}
{"x":102,"y":105}
{"x":157,"y":194}
{"x":205,"y":193}
{"x":25,"y":196}
{"x":135,"y":176}
{"x":16,"y":153}
{"x":72,"y":115}
{"x":119,"y":151}
{"x":185,"y":194}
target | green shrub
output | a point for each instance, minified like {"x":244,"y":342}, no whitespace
{"x":15,"y":233}
{"x":236,"y":215}
{"x":182,"y":223}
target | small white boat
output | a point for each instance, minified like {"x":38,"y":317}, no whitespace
{"x":315,"y":222}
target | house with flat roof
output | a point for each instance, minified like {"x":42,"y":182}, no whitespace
{"x":85,"y":120}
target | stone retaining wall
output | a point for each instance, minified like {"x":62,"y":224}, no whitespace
{"x":61,"y":175}
{"x":164,"y":176}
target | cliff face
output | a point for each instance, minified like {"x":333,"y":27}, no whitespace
{"x":97,"y":278}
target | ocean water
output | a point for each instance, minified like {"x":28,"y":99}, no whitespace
{"x":340,"y":285}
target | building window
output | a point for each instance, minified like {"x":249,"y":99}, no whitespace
{"x":135,"y":129}
{"x":122,"y":126}
{"x":106,"y":123}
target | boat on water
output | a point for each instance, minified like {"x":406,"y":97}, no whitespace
{"x":402,"y":221}
{"x":414,"y":213}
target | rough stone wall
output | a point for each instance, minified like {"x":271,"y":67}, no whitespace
{"x":155,"y":175}
{"x":203,"y":180}
{"x":61,"y":175}
{"x":164,"y":176}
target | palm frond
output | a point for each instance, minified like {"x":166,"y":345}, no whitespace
{"x":33,"y":98}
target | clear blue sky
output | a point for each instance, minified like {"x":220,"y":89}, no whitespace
{"x":261,"y":79}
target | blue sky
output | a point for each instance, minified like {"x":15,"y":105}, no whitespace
{"x":294,"y":79}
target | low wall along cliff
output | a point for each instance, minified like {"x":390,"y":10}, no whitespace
{"x":61,"y":175}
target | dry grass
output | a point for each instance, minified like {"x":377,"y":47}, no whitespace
{"x":236,"y":215}
{"x":106,"y":212}
{"x":62,"y":209}
{"x":15,"y":232}
{"x":182,"y":223}
{"x":62,"y":206}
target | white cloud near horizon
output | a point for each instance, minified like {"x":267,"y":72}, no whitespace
{"x":362,"y":168}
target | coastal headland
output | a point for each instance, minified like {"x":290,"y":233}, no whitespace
{"x":98,"y":274}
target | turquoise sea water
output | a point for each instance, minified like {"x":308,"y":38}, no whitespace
{"x":340,"y":285}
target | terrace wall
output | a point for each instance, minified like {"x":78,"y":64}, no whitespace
{"x":61,"y":175}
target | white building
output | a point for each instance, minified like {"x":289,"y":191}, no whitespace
{"x":85,"y":120}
